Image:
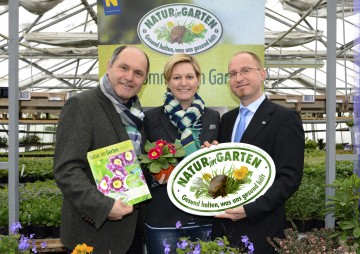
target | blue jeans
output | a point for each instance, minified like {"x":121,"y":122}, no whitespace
{"x":155,"y":236}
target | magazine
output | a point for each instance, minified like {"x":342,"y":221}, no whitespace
{"x":118,"y":174}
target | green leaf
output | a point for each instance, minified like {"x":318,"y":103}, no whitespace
{"x":165,"y":165}
{"x":356,"y":232}
{"x":149,"y":145}
{"x":142,"y":156}
{"x":180,"y":153}
{"x":346,"y":225}
{"x":155,"y":167}
{"x":167,"y":155}
{"x":146,"y":160}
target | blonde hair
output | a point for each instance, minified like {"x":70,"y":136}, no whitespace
{"x":180,"y":58}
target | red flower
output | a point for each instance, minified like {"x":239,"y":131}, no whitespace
{"x":172,"y":148}
{"x":161,"y":143}
{"x":154,"y":153}
{"x":161,"y":154}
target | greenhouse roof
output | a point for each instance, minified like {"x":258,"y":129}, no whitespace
{"x":58,"y":46}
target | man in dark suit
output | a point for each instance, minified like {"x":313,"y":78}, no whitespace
{"x":278,"y":131}
{"x":103,"y":116}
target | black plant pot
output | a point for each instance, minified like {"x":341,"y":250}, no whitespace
{"x":25,"y":230}
{"x":4,"y":230}
{"x":302,"y":225}
{"x":55,"y":232}
{"x":40,"y":232}
{"x":318,"y":223}
{"x":3,"y":179}
{"x":26,"y":179}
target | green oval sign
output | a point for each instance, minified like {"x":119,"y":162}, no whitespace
{"x":221,"y":177}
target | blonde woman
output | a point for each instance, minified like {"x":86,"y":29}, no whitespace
{"x":184,"y":117}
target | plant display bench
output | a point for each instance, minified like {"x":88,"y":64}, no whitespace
{"x":54,"y":245}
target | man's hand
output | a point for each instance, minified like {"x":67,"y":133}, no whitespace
{"x":119,"y":210}
{"x":234,"y":214}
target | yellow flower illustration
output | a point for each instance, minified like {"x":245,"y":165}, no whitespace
{"x":206,"y":177}
{"x":128,"y":156}
{"x":170,"y":24}
{"x":118,"y":162}
{"x":197,"y":29}
{"x":240,"y":173}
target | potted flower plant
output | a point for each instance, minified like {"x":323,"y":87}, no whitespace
{"x":218,"y":245}
{"x":206,"y":245}
{"x":344,"y":205}
{"x":82,"y":249}
{"x":161,"y":157}
{"x":15,"y":243}
{"x":315,"y":241}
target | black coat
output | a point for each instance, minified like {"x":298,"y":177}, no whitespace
{"x":279,"y":132}
{"x":160,"y":210}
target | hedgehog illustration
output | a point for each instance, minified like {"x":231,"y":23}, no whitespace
{"x":217,"y":186}
{"x":177,"y":34}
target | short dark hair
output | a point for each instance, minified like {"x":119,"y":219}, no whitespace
{"x":118,"y":50}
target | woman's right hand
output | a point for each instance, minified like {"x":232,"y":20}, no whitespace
{"x":162,"y":179}
{"x":207,"y":144}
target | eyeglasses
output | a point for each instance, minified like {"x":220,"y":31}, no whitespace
{"x":242,"y":72}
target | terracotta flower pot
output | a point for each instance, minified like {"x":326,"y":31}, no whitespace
{"x":166,"y":172}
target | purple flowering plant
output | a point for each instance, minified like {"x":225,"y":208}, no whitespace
{"x":218,"y":245}
{"x":15,"y":243}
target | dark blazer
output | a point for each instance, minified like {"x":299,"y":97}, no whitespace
{"x":160,"y":211}
{"x":278,"y":131}
{"x":88,"y":121}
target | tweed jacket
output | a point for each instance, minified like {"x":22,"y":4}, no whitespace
{"x":279,"y":132}
{"x":160,"y":211}
{"x":88,"y":121}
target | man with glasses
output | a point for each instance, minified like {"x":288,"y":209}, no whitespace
{"x":273,"y":128}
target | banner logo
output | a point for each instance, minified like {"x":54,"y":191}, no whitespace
{"x":228,"y":175}
{"x":180,"y":28}
{"x":111,"y":7}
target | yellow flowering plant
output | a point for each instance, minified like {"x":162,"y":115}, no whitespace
{"x":82,"y":249}
{"x":181,"y":33}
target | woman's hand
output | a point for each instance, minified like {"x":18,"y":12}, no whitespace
{"x":207,"y":144}
{"x":162,"y":179}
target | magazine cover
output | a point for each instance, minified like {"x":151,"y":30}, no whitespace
{"x":118,"y":174}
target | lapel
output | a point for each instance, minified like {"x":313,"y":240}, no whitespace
{"x":261,"y":118}
{"x":169,"y":128}
{"x":112,"y":115}
{"x":206,"y":122}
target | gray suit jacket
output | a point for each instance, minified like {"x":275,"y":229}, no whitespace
{"x":88,"y":121}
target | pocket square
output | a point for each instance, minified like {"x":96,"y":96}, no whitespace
{"x":212,"y":126}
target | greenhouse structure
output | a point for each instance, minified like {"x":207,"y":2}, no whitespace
{"x":51,"y":50}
